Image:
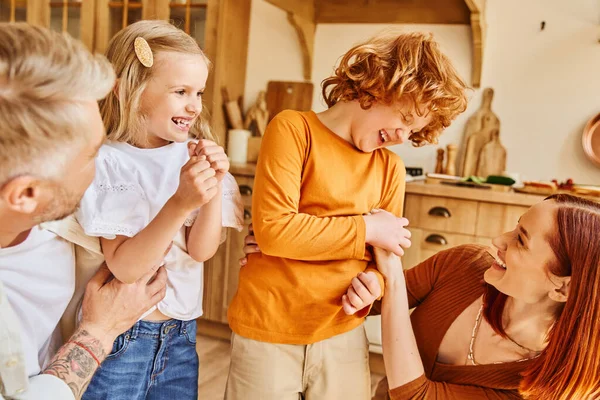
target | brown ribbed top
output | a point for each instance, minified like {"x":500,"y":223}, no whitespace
{"x":441,"y":288}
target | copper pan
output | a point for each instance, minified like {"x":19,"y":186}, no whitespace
{"x":591,"y":140}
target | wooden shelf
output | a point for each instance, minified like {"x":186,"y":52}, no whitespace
{"x":304,"y":15}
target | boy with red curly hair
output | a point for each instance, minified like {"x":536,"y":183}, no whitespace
{"x":297,"y":321}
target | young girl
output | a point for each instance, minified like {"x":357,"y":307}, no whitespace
{"x":158,"y":197}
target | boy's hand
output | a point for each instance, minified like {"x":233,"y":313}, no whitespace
{"x":387,"y":231}
{"x":363,"y":292}
{"x":215,"y":155}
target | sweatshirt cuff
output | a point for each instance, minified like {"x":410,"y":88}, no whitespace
{"x":361,"y":233}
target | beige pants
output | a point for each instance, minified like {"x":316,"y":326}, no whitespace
{"x":333,"y":369}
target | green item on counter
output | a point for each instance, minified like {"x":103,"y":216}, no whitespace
{"x":475,"y":179}
{"x":500,"y":180}
{"x":492,"y":180}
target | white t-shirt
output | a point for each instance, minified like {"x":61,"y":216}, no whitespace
{"x":39,"y":281}
{"x":131,"y":186}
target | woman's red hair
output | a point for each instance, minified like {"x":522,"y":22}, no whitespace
{"x":569,"y":367}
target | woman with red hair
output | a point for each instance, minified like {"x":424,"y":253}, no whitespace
{"x":522,"y":321}
{"x":532,"y":330}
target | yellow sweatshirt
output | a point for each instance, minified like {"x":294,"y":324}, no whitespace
{"x":310,"y":192}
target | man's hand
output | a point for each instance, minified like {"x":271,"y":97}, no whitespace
{"x":363,"y":292}
{"x":250,"y":246}
{"x":111,"y":307}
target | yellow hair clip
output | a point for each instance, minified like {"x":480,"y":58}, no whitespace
{"x":143,"y":52}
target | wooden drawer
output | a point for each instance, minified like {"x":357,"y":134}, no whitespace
{"x":426,"y":243}
{"x":441,"y":214}
{"x":495,"y":219}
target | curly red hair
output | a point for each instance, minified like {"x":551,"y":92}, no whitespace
{"x":387,"y":68}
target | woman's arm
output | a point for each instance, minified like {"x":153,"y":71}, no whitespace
{"x":400,"y":352}
{"x":403,"y":365}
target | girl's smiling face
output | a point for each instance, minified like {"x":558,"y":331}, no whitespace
{"x":172,"y":100}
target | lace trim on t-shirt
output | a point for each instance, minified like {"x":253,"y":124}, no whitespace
{"x":105,"y":187}
{"x":105,"y":228}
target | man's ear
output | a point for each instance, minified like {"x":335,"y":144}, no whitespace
{"x":21,"y":194}
{"x":560,"y":292}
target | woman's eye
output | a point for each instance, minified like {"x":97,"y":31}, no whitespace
{"x":180,"y":92}
{"x":520,"y":240}
{"x":199,"y":94}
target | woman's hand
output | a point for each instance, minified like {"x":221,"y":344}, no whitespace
{"x":250,"y":246}
{"x":388,"y":264}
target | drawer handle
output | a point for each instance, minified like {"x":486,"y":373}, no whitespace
{"x":245,"y":190}
{"x":440,"y":212}
{"x":247,"y":214}
{"x":436,"y":239}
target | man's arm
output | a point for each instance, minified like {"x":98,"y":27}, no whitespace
{"x":109,"y":308}
{"x":77,"y":361}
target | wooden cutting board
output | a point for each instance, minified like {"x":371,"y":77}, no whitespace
{"x":492,"y":159}
{"x":475,"y":125}
{"x":474,"y":146}
{"x":288,"y":96}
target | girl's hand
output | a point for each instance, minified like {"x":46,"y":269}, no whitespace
{"x":250,"y":246}
{"x":215,"y":155}
{"x":197,"y":184}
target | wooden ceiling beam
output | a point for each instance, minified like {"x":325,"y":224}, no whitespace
{"x":301,"y":8}
{"x":304,"y":15}
{"x":306,"y":35}
{"x":392,"y":11}
{"x":478,"y":32}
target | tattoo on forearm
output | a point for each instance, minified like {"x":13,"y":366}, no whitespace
{"x":74,"y":364}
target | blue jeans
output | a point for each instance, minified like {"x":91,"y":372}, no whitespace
{"x":151,"y":361}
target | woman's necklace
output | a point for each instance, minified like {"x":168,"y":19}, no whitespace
{"x":471,"y":355}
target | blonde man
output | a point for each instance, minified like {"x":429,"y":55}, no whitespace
{"x":50,"y":131}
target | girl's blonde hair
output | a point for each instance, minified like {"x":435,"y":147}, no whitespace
{"x":121,"y":108}
{"x":390,"y":66}
{"x":46,"y":79}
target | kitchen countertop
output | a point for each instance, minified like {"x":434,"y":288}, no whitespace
{"x":486,"y":195}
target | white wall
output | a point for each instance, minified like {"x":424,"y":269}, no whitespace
{"x":274,"y":52}
{"x":547,"y":83}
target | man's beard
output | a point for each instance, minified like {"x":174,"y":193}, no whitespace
{"x":62,"y":205}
